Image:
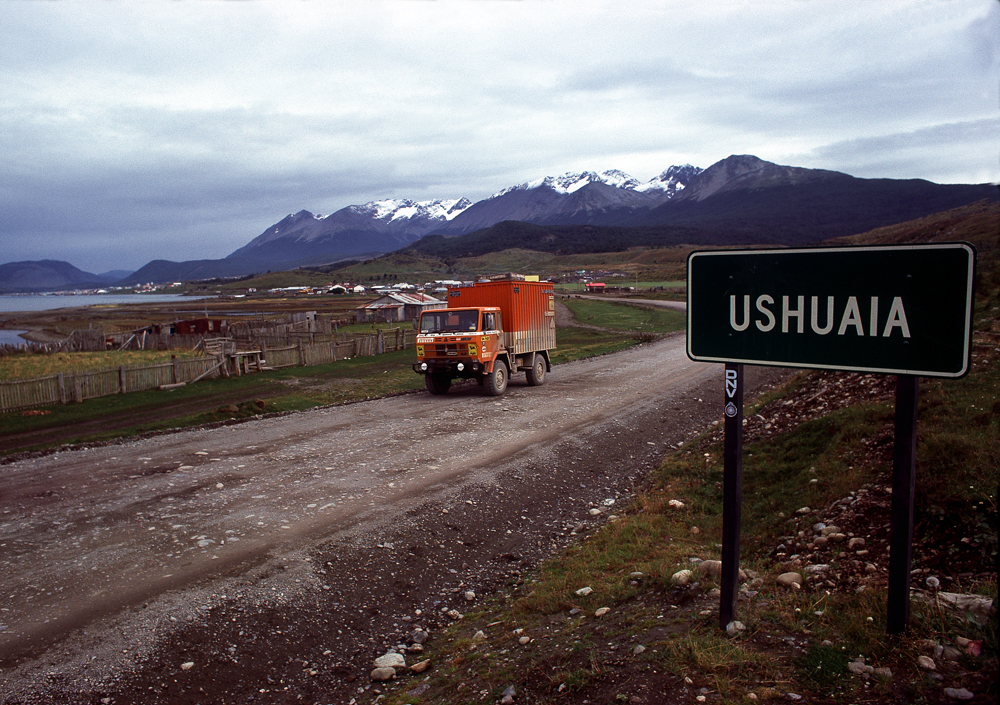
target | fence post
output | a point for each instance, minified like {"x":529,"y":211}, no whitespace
{"x":121,"y":380}
{"x":77,"y":389}
{"x":175,"y":365}
{"x":62,"y":388}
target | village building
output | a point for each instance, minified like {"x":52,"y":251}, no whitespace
{"x":397,"y":306}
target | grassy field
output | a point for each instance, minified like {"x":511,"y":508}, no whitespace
{"x":626,"y":317}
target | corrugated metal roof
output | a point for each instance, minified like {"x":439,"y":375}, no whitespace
{"x":397,"y":299}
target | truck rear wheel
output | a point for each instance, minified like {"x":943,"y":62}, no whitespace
{"x":496,"y":381}
{"x":536,"y":375}
{"x":437,"y":384}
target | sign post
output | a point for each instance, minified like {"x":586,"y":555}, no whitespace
{"x":904,"y":459}
{"x":904,"y":310}
{"x":732,"y":493}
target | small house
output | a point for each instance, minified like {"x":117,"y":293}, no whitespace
{"x":397,"y":306}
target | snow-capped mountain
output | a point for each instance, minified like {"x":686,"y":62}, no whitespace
{"x":371,"y":228}
{"x":393,"y":210}
{"x":739,"y":200}
{"x":672,"y":181}
{"x":385,"y":225}
{"x":575,"y":197}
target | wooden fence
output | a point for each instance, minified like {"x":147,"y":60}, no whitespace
{"x":64,"y":388}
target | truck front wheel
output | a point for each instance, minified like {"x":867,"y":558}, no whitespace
{"x":496,"y":381}
{"x":536,"y":375}
{"x":437,"y":383}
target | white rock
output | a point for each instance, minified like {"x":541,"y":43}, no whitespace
{"x":469,"y":596}
{"x":420,"y":666}
{"x":735,"y":627}
{"x":602,"y":611}
{"x":584,"y":591}
{"x":479,"y":636}
{"x":383,"y":674}
{"x":790,"y":580}
{"x":675,"y":504}
{"x":187,"y":666}
{"x":391,"y":659}
{"x":926,"y":663}
{"x":524,"y":640}
{"x":681,"y":577}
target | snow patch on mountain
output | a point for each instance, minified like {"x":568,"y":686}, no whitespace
{"x":670,"y":181}
{"x":394,"y":209}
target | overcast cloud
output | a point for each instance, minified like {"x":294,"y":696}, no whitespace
{"x":181,"y":130}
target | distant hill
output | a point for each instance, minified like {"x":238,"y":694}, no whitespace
{"x":45,"y":275}
{"x":746,"y":198}
{"x":161,"y":271}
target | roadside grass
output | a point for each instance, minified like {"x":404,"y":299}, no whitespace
{"x":573,"y":343}
{"x":799,"y":642}
{"x":625,"y":317}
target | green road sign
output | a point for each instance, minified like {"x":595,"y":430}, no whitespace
{"x":894,"y":310}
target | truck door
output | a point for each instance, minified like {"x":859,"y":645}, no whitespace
{"x":492,"y":334}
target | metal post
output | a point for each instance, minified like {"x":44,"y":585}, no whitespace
{"x":903,"y":482}
{"x":732,"y":491}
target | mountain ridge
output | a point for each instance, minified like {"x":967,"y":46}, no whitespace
{"x":739,"y":200}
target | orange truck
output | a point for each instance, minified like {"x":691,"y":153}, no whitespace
{"x":489,"y":331}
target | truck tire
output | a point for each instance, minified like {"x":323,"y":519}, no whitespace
{"x":496,"y":381}
{"x":437,"y":384}
{"x":536,"y":375}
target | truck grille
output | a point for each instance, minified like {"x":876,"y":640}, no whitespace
{"x":444,"y":349}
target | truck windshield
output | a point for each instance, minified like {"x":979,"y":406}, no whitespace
{"x":448,"y":321}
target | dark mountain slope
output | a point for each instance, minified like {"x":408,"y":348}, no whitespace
{"x":788,"y":205}
{"x":45,"y":275}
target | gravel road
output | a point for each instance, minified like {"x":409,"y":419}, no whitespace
{"x":321,"y":535}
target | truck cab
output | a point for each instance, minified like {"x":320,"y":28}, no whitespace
{"x":462,"y":343}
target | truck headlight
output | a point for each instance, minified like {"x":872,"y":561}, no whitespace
{"x":423,"y":366}
{"x":461,"y":366}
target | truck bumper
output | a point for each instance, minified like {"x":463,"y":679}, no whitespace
{"x":453,"y":368}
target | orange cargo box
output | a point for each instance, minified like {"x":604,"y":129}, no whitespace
{"x":528,"y":310}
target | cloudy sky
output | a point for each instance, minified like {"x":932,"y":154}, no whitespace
{"x":132,"y":131}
